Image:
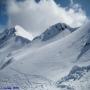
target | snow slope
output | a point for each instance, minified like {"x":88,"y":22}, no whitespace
{"x":52,"y":61}
{"x":11,"y":40}
{"x":78,"y":79}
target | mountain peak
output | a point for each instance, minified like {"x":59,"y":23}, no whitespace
{"x":15,"y":35}
{"x":54,"y":30}
{"x":21,"y":32}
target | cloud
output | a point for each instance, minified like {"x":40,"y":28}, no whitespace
{"x":71,"y":2}
{"x":36,"y":17}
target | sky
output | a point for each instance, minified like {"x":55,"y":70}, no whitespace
{"x":37,"y":16}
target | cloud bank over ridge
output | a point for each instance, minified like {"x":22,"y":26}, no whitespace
{"x":36,"y":17}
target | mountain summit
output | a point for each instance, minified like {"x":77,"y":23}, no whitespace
{"x":16,"y":34}
{"x":23,"y":33}
{"x":53,"y":33}
{"x":56,"y":29}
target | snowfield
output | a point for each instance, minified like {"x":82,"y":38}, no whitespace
{"x":58,"y":59}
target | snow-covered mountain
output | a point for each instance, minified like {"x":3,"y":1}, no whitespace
{"x":76,"y":79}
{"x":40,"y":68}
{"x":15,"y":35}
{"x":13,"y":39}
{"x":53,"y":33}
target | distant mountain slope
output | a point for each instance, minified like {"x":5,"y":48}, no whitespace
{"x":85,"y":49}
{"x":53,"y":33}
{"x":76,"y":79}
{"x":13,"y":39}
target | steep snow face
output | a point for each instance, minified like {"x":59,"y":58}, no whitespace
{"x":11,"y":40}
{"x":53,"y":33}
{"x":21,"y":32}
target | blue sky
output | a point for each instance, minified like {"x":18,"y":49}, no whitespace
{"x":3,"y":13}
{"x":85,"y":5}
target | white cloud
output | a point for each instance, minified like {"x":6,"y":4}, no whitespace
{"x":36,"y":17}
